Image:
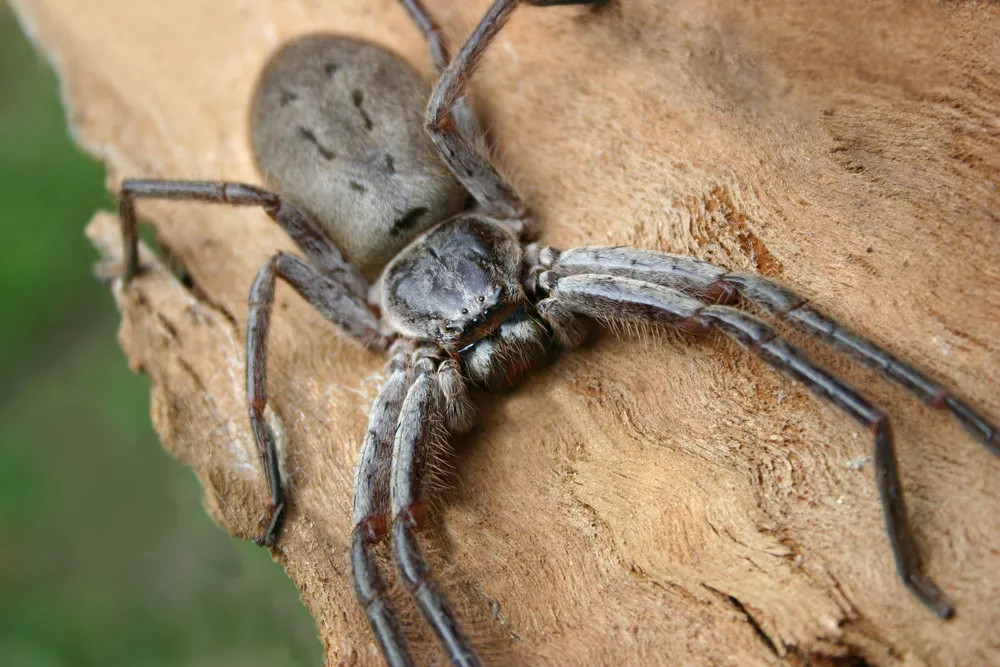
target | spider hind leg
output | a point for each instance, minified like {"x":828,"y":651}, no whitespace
{"x":603,"y":296}
{"x":714,"y":284}
{"x":320,"y":250}
{"x":333,"y":301}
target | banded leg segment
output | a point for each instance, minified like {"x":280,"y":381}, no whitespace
{"x":610,"y":297}
{"x":371,"y":591}
{"x":785,"y":305}
{"x":332,"y":300}
{"x":372,"y":514}
{"x":420,"y":421}
{"x":441,"y":56}
{"x":320,"y":250}
{"x":711,"y":283}
{"x":470,"y":166}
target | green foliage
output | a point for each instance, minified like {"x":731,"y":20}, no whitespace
{"x":106,"y":557}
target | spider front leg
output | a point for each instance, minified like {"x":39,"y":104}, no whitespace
{"x":320,"y":250}
{"x":472,"y":168}
{"x":335,"y":303}
{"x":606,"y":297}
{"x":785,"y":305}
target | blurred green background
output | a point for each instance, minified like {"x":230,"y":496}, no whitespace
{"x":106,"y":555}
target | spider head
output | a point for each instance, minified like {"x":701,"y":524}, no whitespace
{"x":456,"y":284}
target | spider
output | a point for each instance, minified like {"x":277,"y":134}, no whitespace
{"x":464,"y":297}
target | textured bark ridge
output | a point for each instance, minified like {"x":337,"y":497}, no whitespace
{"x":646,"y":499}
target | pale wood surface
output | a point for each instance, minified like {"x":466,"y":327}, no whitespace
{"x":640,"y":501}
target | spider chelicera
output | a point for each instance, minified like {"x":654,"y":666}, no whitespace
{"x":339,"y":133}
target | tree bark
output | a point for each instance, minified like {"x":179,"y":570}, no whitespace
{"x":642,"y":500}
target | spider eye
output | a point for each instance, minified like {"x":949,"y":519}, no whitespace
{"x":481,"y":299}
{"x":465,"y":311}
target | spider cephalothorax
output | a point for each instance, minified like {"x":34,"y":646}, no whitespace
{"x":455,"y":284}
{"x":338,"y":133}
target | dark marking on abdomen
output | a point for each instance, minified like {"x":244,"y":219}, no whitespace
{"x":358,"y":98}
{"x":409,"y":220}
{"x":308,"y":135}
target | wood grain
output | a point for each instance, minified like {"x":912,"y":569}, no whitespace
{"x":644,"y":500}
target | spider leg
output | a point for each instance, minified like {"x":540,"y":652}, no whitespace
{"x":320,"y":250}
{"x":785,"y":305}
{"x":372,"y":512}
{"x":611,"y":297}
{"x":459,"y":412}
{"x":712,"y":283}
{"x":466,"y":161}
{"x":332,"y":300}
{"x":519,"y":345}
{"x":457,"y":149}
{"x":419,"y":417}
{"x":441,"y":56}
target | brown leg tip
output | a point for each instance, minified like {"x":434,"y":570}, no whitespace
{"x":376,"y":527}
{"x":928,"y":593}
{"x":274,"y":520}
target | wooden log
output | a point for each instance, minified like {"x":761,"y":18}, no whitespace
{"x":644,"y":499}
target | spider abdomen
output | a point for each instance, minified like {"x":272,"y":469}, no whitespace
{"x":337,"y":127}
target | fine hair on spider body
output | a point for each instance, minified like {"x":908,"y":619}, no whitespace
{"x":371,"y":182}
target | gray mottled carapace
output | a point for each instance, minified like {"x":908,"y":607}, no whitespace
{"x":362,"y":156}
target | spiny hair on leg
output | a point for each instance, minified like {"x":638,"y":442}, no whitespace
{"x":459,"y":411}
{"x":471,"y":603}
{"x":650,"y":334}
{"x":440,"y":469}
{"x":568,"y":329}
{"x":525,"y":330}
{"x":513,"y":355}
